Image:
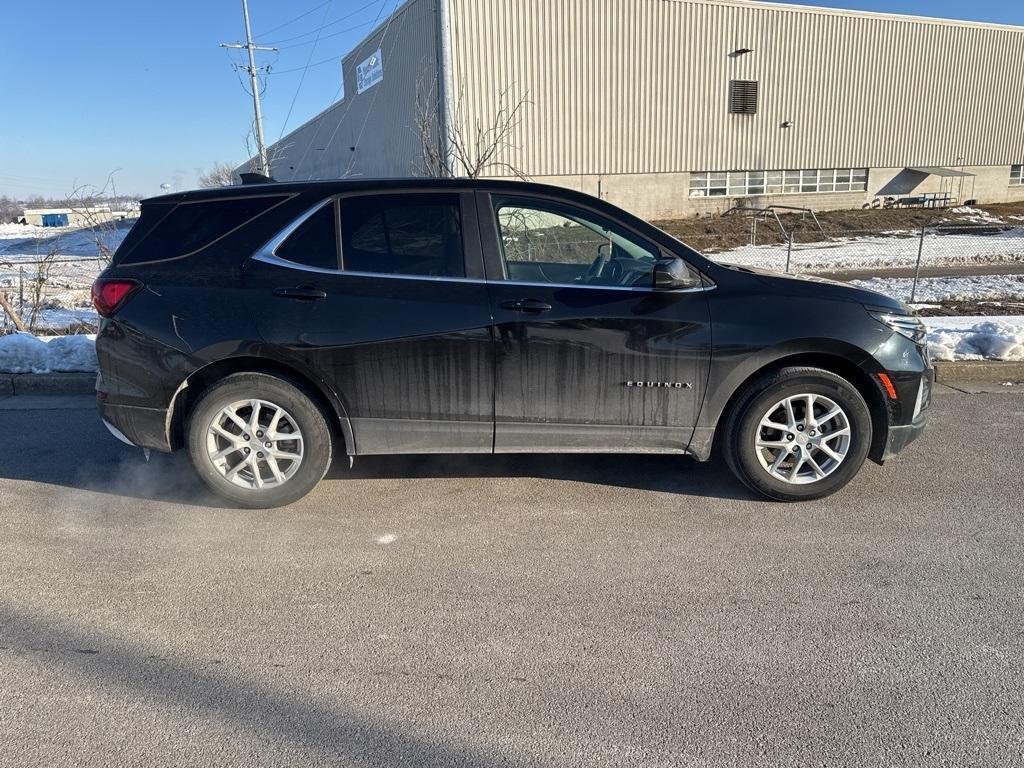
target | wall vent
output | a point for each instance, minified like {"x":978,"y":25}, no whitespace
{"x":743,"y":97}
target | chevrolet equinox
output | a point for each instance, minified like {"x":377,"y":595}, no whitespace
{"x":267,"y":328}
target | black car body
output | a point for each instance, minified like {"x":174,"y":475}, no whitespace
{"x":467,"y":316}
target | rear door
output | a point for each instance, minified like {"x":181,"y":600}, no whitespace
{"x":589,"y":356}
{"x":382,"y":296}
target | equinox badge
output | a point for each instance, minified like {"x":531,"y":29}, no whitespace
{"x":659,"y":384}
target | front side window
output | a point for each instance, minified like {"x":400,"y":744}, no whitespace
{"x":1017,"y":175}
{"x":553,"y":243}
{"x":315,"y":242}
{"x":412,"y":234}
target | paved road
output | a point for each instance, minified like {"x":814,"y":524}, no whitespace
{"x":512,"y":611}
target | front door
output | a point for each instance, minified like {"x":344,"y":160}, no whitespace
{"x":398,"y":323}
{"x":589,"y":356}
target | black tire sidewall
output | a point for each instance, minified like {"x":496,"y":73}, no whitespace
{"x":312,"y":423}
{"x":743,"y":458}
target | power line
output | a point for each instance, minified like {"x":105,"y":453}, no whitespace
{"x":344,"y":31}
{"x":341,"y":86}
{"x":305,"y":69}
{"x":292,"y":21}
{"x":329,"y":24}
{"x":373,"y":101}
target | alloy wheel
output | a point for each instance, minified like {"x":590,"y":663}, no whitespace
{"x":255,"y":444}
{"x":803,"y":439}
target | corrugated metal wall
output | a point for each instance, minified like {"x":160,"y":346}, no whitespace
{"x":381,"y":122}
{"x":641,"y":86}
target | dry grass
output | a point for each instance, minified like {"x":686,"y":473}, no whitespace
{"x":732,"y":231}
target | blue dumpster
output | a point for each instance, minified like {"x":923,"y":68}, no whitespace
{"x":55,"y":219}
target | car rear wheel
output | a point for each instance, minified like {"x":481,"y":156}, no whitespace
{"x":258,"y":440}
{"x":798,"y":434}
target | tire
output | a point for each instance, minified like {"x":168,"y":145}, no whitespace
{"x":252,"y":475}
{"x":797,"y":467}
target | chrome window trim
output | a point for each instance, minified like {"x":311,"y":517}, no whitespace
{"x":279,"y":262}
{"x":268,"y":255}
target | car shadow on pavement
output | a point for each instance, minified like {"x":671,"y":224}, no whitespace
{"x":643,"y":472}
{"x":322,"y":728}
{"x":71,"y":449}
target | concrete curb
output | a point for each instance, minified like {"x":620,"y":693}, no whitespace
{"x":47,"y":384}
{"x":979,"y":372}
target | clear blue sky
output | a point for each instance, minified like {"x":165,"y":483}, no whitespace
{"x":92,"y":86}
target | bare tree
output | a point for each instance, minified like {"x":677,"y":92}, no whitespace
{"x":83,"y":201}
{"x":454,"y":148}
{"x":220,"y":175}
{"x":275,"y":152}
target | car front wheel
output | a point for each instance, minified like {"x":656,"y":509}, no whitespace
{"x":258,"y":440}
{"x":798,"y":434}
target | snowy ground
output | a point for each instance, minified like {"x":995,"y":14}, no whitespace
{"x":965,"y":338}
{"x":24,"y":353}
{"x":959,"y":288}
{"x":885,"y":251}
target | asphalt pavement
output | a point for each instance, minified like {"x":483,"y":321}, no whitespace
{"x":512,"y":611}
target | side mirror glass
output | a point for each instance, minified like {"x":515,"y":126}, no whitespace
{"x":672,"y":273}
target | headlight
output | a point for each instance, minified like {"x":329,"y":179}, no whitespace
{"x":905,"y":325}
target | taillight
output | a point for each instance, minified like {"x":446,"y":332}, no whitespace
{"x":109,"y":295}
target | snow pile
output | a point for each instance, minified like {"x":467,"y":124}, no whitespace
{"x":25,"y":353}
{"x":16,"y":231}
{"x":965,"y":338}
{"x":975,"y":215}
{"x":956,"y":288}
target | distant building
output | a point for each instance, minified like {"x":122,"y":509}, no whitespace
{"x":681,"y":107}
{"x":71,"y":217}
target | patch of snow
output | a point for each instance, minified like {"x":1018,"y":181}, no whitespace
{"x":25,"y":353}
{"x":938,"y":289}
{"x":965,"y":338}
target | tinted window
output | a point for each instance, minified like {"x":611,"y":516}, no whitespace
{"x":403,"y":235}
{"x":315,"y":243}
{"x":190,"y":227}
{"x":554,"y":243}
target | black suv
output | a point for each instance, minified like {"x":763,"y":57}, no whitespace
{"x":268,"y":327}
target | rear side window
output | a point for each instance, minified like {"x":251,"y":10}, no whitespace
{"x":315,"y":243}
{"x":190,"y":227}
{"x":415,"y":234}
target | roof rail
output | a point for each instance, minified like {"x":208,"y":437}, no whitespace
{"x":255,"y":178}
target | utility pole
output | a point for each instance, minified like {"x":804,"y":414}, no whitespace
{"x":251,"y":48}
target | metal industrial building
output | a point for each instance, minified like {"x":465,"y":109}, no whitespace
{"x":679,"y":107}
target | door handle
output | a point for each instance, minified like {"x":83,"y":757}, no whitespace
{"x":535,"y":306}
{"x":303,"y":293}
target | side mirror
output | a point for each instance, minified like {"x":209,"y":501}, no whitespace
{"x":672,"y":273}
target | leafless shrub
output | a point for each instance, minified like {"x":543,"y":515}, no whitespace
{"x":220,"y":175}
{"x":468,"y":151}
{"x":83,"y":203}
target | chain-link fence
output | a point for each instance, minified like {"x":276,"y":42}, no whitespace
{"x":49,"y":295}
{"x":913,"y":265}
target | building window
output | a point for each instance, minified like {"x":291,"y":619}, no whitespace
{"x":748,"y":183}
{"x":743,"y":97}
{"x":1017,"y":176}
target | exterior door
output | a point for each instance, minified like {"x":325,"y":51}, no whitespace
{"x":398,"y":322}
{"x":588,"y":355}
